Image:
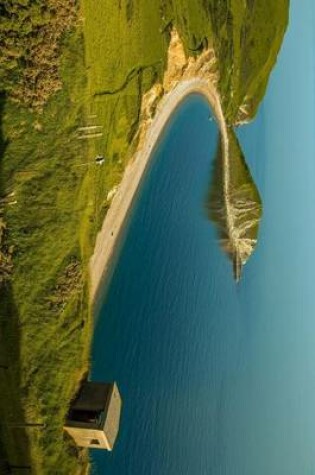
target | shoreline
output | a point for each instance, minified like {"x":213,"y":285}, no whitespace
{"x":108,"y":237}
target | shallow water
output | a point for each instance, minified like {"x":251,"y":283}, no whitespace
{"x":218,"y":378}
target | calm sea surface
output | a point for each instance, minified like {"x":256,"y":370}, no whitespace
{"x":218,"y":378}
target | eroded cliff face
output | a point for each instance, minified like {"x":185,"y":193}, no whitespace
{"x":180,"y":68}
{"x":233,"y":203}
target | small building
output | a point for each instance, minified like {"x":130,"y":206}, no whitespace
{"x":99,"y":159}
{"x":93,"y":418}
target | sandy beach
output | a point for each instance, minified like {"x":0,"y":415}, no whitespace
{"x":126,"y":192}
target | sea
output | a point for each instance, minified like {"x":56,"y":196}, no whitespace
{"x":218,"y":378}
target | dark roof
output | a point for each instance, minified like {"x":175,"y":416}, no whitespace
{"x":93,"y":396}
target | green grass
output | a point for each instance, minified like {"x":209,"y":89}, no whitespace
{"x":252,"y":33}
{"x":61,"y":194}
{"x":47,"y":295}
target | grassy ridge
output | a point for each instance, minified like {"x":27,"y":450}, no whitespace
{"x":61,"y":194}
{"x":239,"y":200}
{"x":247,"y":40}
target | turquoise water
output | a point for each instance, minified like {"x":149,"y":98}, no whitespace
{"x":217,"y":378}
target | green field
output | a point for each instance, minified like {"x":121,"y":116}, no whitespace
{"x":53,"y":195}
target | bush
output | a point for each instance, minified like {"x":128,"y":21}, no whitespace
{"x":31,"y":33}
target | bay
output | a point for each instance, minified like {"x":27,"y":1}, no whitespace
{"x":218,"y":378}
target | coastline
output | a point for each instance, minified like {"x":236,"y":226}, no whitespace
{"x":113,"y":224}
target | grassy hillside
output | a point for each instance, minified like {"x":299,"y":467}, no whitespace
{"x":53,"y":195}
{"x":44,"y":324}
{"x":247,"y":39}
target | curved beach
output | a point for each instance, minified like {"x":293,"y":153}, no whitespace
{"x":114,"y":221}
